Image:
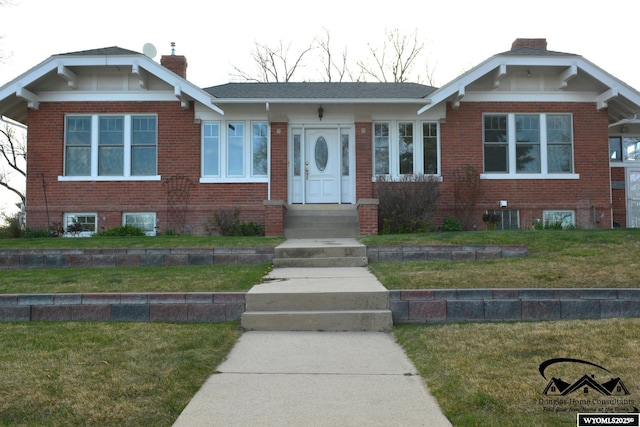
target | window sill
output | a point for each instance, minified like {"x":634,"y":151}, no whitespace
{"x":109,"y":178}
{"x":401,"y":177}
{"x":234,"y":180}
{"x":490,"y":176}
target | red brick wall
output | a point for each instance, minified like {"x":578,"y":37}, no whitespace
{"x":178,"y":153}
{"x":364,"y":158}
{"x":279,"y":161}
{"x":590,"y":196}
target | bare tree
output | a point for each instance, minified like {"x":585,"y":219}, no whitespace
{"x":274,"y":63}
{"x":331,"y":64}
{"x":393,"y":61}
{"x":13,"y":152}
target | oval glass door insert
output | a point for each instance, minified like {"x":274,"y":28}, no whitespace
{"x":321,"y":154}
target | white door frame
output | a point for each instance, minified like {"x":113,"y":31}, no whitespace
{"x":345,"y":172}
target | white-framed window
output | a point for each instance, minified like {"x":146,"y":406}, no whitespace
{"x":80,"y":224}
{"x":145,"y":221}
{"x":403,"y":147}
{"x":528,"y":145}
{"x":566,"y":218}
{"x":111,"y":147}
{"x":235,"y":151}
{"x":624,"y":148}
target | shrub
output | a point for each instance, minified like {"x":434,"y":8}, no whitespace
{"x":36,"y":233}
{"x":122,"y":231}
{"x":452,"y":224}
{"x":12,"y":228}
{"x":228,"y":223}
{"x":407,"y":206}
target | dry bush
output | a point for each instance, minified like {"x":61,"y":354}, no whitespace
{"x":407,"y":205}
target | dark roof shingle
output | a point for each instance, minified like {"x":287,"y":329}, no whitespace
{"x":113,"y":50}
{"x":321,"y":90}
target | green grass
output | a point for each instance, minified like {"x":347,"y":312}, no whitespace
{"x":213,"y":278}
{"x":106,"y":374}
{"x":572,"y":258}
{"x":486,"y":374}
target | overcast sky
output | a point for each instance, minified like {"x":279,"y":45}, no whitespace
{"x":215,"y":36}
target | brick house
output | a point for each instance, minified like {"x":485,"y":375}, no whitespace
{"x":116,"y":138}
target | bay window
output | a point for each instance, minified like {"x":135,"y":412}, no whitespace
{"x":235,"y":151}
{"x":405,"y":148}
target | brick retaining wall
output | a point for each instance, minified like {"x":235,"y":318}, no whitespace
{"x":444,"y":252}
{"x":206,"y":307}
{"x":68,"y":258}
{"x":407,"y":306}
{"x":461,"y":305}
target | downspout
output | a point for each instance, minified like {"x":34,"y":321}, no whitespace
{"x":268,"y":151}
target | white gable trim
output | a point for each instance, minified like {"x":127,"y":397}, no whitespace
{"x":455,"y":90}
{"x":141,"y":66}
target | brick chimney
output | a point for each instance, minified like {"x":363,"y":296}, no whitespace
{"x":175,"y":63}
{"x":532,"y":43}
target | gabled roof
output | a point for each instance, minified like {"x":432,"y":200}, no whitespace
{"x":326,"y":91}
{"x":111,"y":51}
{"x":596,"y":85}
{"x":23,"y":92}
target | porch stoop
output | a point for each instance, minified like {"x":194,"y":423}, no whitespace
{"x":318,"y":299}
{"x":320,"y":253}
{"x":321,"y":221}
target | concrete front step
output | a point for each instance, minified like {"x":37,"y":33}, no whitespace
{"x":321,"y":262}
{"x":335,"y":320}
{"x":317,"y":294}
{"x":320,"y":253}
{"x":321,"y":221}
{"x":318,"y":299}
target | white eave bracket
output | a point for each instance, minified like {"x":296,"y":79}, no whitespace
{"x":69,"y":76}
{"x":501,"y":71}
{"x":458,"y":97}
{"x":602,"y":100}
{"x":567,"y":75}
{"x":32,"y":99}
{"x":182,"y":97}
{"x":141,"y":74}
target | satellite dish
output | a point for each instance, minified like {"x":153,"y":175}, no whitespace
{"x":149,"y":50}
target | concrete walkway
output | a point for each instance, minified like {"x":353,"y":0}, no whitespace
{"x":310,"y":378}
{"x":274,"y":378}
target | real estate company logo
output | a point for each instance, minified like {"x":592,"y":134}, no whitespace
{"x":587,"y":393}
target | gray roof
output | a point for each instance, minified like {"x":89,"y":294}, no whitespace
{"x":113,"y":50}
{"x":320,"y":90}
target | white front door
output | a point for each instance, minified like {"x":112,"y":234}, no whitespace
{"x":633,"y":198}
{"x":322,"y":166}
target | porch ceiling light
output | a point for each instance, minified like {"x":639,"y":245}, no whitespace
{"x":320,"y":112}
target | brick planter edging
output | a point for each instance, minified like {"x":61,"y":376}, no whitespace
{"x":461,"y":305}
{"x":88,"y":258}
{"x":444,"y":252}
{"x":206,"y":307}
{"x":407,"y":306}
